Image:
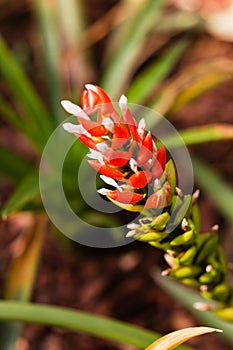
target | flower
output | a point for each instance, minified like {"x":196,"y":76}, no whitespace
{"x":122,"y":151}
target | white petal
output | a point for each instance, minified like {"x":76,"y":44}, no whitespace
{"x":133,"y":165}
{"x":74,"y":109}
{"x":72,"y":128}
{"x":102,"y":147}
{"x":76,"y":129}
{"x":111,"y":182}
{"x":104,"y":191}
{"x":108,"y":123}
{"x":154,"y":146}
{"x":133,"y":226}
{"x":96,"y":155}
{"x":157,"y":184}
{"x":141,"y":127}
{"x":131,"y":234}
{"x":90,"y":87}
{"x":123,"y":103}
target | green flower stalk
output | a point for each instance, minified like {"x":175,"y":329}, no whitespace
{"x":141,"y":179}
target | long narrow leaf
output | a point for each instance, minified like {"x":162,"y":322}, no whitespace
{"x":76,"y":60}
{"x":22,"y":123}
{"x":24,"y":92}
{"x":123,"y":58}
{"x":215,"y":187}
{"x":13,"y":166}
{"x":80,"y":321}
{"x":11,"y":116}
{"x":190,"y":84}
{"x":24,"y":193}
{"x":146,"y":81}
{"x":202,"y":134}
{"x":47,"y":16}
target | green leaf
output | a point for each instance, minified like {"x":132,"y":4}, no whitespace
{"x":13,"y":166}
{"x":80,"y":321}
{"x":25,"y":192}
{"x":202,"y":134}
{"x":198,"y":87}
{"x":149,"y":78}
{"x":215,"y":187}
{"x":11,"y":116}
{"x":22,"y":123}
{"x":189,"y":298}
{"x":190,"y":84}
{"x":25,"y":94}
{"x":48,"y":22}
{"x":122,"y":60}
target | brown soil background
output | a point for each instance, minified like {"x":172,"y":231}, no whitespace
{"x":116,"y":282}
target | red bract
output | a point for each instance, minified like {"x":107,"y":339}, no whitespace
{"x":145,"y":151}
{"x":120,"y":136}
{"x":92,"y":96}
{"x":94,"y":128}
{"x":118,"y":158}
{"x":125,"y":197}
{"x":121,"y":150}
{"x":159,"y":163}
{"x":106,"y":170}
{"x":140,"y":179}
{"x":161,"y":156}
{"x":156,"y":200}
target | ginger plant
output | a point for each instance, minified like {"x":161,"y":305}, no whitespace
{"x":142,"y":179}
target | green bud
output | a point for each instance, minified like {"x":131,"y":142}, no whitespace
{"x":171,"y":176}
{"x":164,"y":246}
{"x":186,"y":272}
{"x":160,"y":222}
{"x":221,"y":292}
{"x":184,"y":239}
{"x":222,"y":259}
{"x":206,"y":294}
{"x":201,"y":239}
{"x":151,"y":235}
{"x":191,"y":282}
{"x":226,"y":313}
{"x":207,"y":248}
{"x":209,"y":277}
{"x":180,"y":209}
{"x":196,"y":216}
{"x":188,"y":256}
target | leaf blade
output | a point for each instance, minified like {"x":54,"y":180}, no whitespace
{"x":24,"y":92}
{"x":152,"y":75}
{"x":127,"y":51}
{"x":208,"y":179}
{"x":78,"y":321}
{"x":202,"y":134}
{"x":25,"y":192}
{"x":13,"y":166}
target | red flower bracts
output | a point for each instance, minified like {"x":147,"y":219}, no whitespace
{"x":140,"y":179}
{"x":122,"y":151}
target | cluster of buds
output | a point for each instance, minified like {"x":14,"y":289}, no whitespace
{"x":141,"y":179}
{"x":121,"y":150}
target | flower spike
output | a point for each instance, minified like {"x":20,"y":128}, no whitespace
{"x":142,"y":180}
